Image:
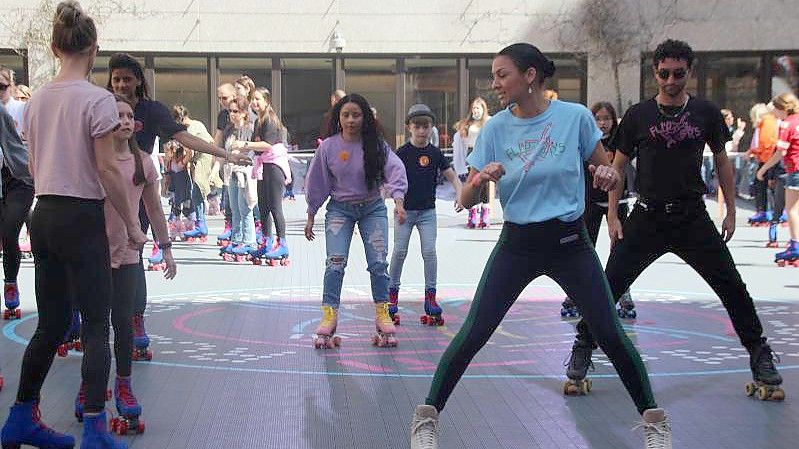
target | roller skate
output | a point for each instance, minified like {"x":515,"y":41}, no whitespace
{"x":657,"y":429}
{"x":96,"y":434}
{"x":626,"y":306}
{"x":384,"y":337}
{"x":766,"y":380}
{"x":240,"y":252}
{"x":174,"y":225}
{"x":485,"y":217}
{"x":227,"y":252}
{"x":393,"y":305}
{"x":569,"y":308}
{"x":784,"y":219}
{"x":223,"y":239}
{"x":25,"y":248}
{"x":772,"y":236}
{"x":279,"y":254}
{"x":424,"y":428}
{"x":11,"y":298}
{"x":577,"y":368}
{"x":156,"y":260}
{"x":72,"y":338}
{"x":326,"y":337}
{"x":257,"y":256}
{"x":471,"y":222}
{"x":789,"y":257}
{"x":141,"y":341}
{"x":24,"y":426}
{"x":758,"y":219}
{"x":197,"y":235}
{"x":432,"y":310}
{"x":128,"y":409}
{"x":80,"y":401}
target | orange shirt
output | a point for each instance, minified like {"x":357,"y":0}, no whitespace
{"x":767,"y":138}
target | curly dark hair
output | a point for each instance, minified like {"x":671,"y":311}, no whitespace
{"x":674,"y":49}
{"x":126,"y":61}
{"x":374,"y":154}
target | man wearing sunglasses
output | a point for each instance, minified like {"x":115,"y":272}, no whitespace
{"x":8,"y":98}
{"x":668,"y":134}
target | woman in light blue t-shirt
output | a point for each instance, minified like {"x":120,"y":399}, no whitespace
{"x":535,"y":151}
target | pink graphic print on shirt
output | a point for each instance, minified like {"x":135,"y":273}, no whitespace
{"x":674,"y":132}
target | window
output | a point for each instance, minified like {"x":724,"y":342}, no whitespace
{"x":434,"y":82}
{"x":568,"y":79}
{"x":376,"y":80}
{"x":259,"y":69}
{"x":183,"y":81}
{"x":731,"y":82}
{"x":307,"y":85}
{"x":785,"y":74}
{"x":16,"y":63}
{"x":480,"y":85}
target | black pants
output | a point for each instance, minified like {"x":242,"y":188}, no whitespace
{"x":16,"y":206}
{"x":691,"y":235}
{"x":593,"y":218}
{"x":125,"y":279}
{"x":779,"y":199}
{"x":140,"y":302}
{"x":563,"y":252}
{"x":70,"y":250}
{"x":270,"y":200}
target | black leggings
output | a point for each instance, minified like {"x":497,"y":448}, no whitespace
{"x":270,"y":200}
{"x":563,"y":252}
{"x":593,"y":218}
{"x":70,"y":250}
{"x":16,"y":206}
{"x":125,"y":279}
{"x":692,"y":236}
{"x":140,"y":301}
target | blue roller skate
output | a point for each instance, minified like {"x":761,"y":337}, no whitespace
{"x":257,"y":257}
{"x":772,"y":236}
{"x":569,"y":309}
{"x":227,"y":252}
{"x":223,"y":239}
{"x":156,"y":260}
{"x":72,"y":338}
{"x":789,"y":257}
{"x":96,"y":434}
{"x":128,"y":409}
{"x":197,"y":235}
{"x":279,"y":254}
{"x":393,"y":305}
{"x":80,"y":401}
{"x":761,"y":218}
{"x":24,"y":426}
{"x":240,"y":252}
{"x":141,"y":341}
{"x":11,"y":298}
{"x":432,"y":310}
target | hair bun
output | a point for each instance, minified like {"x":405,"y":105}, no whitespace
{"x":69,"y":13}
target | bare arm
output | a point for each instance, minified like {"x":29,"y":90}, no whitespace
{"x":727,"y":184}
{"x":152,"y":205}
{"x":452,"y":177}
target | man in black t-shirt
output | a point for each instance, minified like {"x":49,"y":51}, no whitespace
{"x":423,"y":164}
{"x":668,"y":134}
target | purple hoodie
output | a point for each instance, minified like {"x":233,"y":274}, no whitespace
{"x":337,"y":171}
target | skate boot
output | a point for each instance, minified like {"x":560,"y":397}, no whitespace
{"x":80,"y":401}
{"x":141,"y":341}
{"x":627,"y":306}
{"x":173,"y":225}
{"x":424,"y":428}
{"x":577,"y":368}
{"x":772,"y":236}
{"x":279,"y":254}
{"x":767,"y":379}
{"x":197,"y":235}
{"x":96,"y":434}
{"x":657,"y":429}
{"x":257,"y":256}
{"x":393,"y":305}
{"x":471,"y":223}
{"x":326,"y":337}
{"x":128,"y":409}
{"x":11,"y":298}
{"x":223,"y":239}
{"x":759,"y":219}
{"x":384,"y":337}
{"x":72,"y":338}
{"x":227,"y":252}
{"x":789,"y":257}
{"x":569,"y":308}
{"x":156,"y":260}
{"x":432,"y":310}
{"x":240,"y":252}
{"x":784,"y":219}
{"x":485,"y":217}
{"x":24,"y":426}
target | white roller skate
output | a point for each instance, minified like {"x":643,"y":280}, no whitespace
{"x":325,"y":337}
{"x":424,"y":428}
{"x":657,"y":429}
{"x":384,"y":337}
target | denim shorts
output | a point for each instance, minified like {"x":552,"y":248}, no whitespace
{"x":792,"y":180}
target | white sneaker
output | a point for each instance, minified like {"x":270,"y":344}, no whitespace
{"x":657,"y":429}
{"x":424,"y":428}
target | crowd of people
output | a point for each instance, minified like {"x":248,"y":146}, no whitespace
{"x":557,"y":168}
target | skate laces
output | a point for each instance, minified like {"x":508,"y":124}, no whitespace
{"x":426,"y":432}
{"x":656,"y":435}
{"x":382,"y":314}
{"x":328,"y":316}
{"x":766,"y":358}
{"x":579,"y":353}
{"x":125,"y":394}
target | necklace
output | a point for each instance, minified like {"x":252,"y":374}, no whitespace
{"x":665,"y":114}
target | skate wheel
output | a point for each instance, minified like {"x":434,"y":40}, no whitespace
{"x":18,"y":313}
{"x":140,"y":427}
{"x":750,"y":389}
{"x":586,"y":386}
{"x":317,"y":343}
{"x":240,"y":259}
{"x":257,"y":261}
{"x":632,"y":314}
{"x":272,"y":262}
{"x":336,"y":341}
{"x":6,"y":314}
{"x":563,"y":313}
{"x":423,"y":319}
{"x":78,"y":346}
{"x":122,"y":427}
{"x":396,"y":320}
{"x":114,"y":425}
{"x":62,"y":351}
{"x":285,"y":262}
{"x":776,"y":395}
{"x":440,"y":321}
{"x":763,"y":393}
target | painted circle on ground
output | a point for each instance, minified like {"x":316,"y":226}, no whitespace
{"x":270,"y":331}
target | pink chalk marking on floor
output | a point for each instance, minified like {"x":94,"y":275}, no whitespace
{"x":365,"y":366}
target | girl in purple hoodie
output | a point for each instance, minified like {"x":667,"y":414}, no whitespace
{"x":351,"y":167}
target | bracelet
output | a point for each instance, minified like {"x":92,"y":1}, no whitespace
{"x":165,"y":245}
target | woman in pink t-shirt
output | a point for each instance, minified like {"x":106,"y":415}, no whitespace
{"x":75,"y":169}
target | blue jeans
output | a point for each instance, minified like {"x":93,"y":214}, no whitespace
{"x":242,"y":222}
{"x":340,"y":220}
{"x":425,"y":222}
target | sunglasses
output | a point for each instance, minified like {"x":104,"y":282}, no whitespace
{"x":677,"y":74}
{"x":3,"y":87}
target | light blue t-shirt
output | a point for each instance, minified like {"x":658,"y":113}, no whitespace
{"x":543,"y":158}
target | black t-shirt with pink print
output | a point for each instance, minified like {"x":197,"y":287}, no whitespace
{"x":669,"y":143}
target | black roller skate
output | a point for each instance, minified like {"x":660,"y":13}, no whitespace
{"x":432,"y":311}
{"x":577,"y":368}
{"x":627,"y":306}
{"x":72,"y":338}
{"x":569,"y":308}
{"x":767,"y":379}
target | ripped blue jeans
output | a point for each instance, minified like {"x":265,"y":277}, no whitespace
{"x":340,"y":220}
